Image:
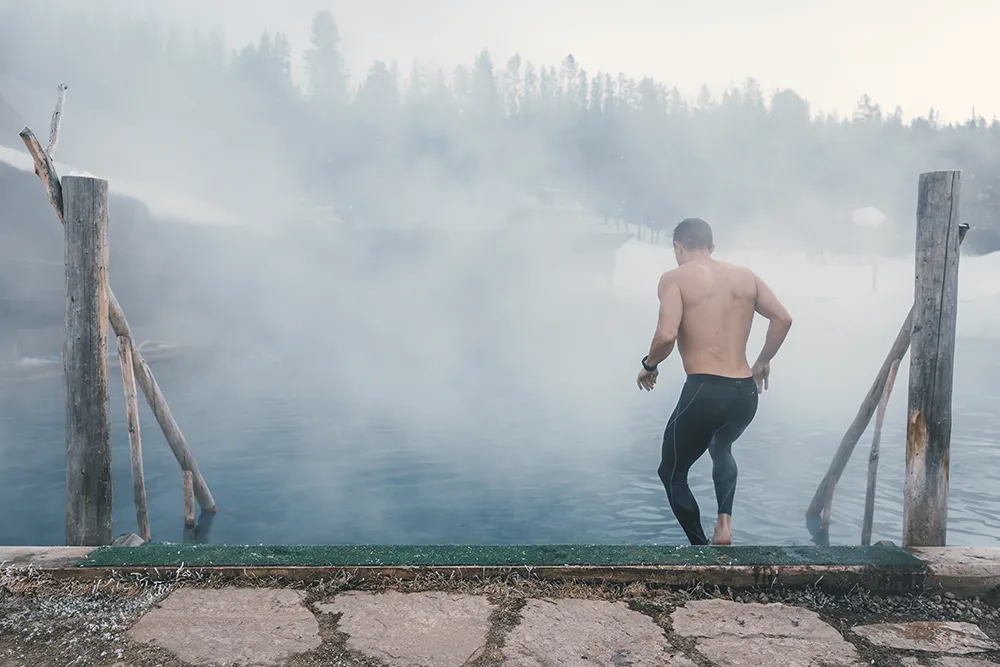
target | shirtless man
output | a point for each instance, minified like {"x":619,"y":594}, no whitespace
{"x":707,"y":307}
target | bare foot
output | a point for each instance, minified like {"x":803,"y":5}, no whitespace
{"x":723,"y":535}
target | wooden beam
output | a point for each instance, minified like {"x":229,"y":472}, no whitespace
{"x":860,"y":423}
{"x":861,"y":419}
{"x":165,"y":418}
{"x":134,"y":437}
{"x":56,"y":123}
{"x":932,"y":361}
{"x":187,"y":483}
{"x":85,"y":363}
{"x":873,"y":456}
{"x":46,"y":171}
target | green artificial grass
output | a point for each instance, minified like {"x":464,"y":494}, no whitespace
{"x":172,"y":555}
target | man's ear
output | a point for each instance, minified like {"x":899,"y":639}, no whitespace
{"x":712,"y":249}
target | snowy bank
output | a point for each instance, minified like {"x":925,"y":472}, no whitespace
{"x":162,"y":205}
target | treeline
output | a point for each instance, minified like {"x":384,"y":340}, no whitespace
{"x":486,"y":140}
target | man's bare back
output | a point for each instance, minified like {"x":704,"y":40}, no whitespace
{"x":717,"y":312}
{"x":707,"y":309}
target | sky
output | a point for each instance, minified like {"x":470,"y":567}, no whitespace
{"x":917,"y":54}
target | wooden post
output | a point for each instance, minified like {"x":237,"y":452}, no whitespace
{"x":869,"y":516}
{"x":85,"y":363}
{"x":46,"y":172}
{"x":188,"y":482}
{"x":860,"y":423}
{"x":158,"y":404}
{"x":56,"y":123}
{"x":831,"y":486}
{"x":862,"y":419}
{"x":928,"y":424}
{"x":134,"y":437}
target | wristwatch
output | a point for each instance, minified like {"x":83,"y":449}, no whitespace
{"x":648,"y":369}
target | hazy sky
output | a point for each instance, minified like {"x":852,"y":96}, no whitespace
{"x":914,"y":53}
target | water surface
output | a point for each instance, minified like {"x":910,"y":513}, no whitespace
{"x":290,"y":464}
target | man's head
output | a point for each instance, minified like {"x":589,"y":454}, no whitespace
{"x":692,"y":238}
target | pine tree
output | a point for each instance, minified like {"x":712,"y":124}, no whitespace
{"x":325,"y":66}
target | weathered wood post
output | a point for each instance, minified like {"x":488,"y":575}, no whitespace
{"x":873,"y":455}
{"x":46,"y":172}
{"x":824,"y":495}
{"x":134,"y":436}
{"x":85,"y":363}
{"x":187,"y":483}
{"x":56,"y":123}
{"x":932,"y":357}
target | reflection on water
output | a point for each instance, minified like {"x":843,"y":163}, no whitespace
{"x":201,"y":532}
{"x":291,"y":466}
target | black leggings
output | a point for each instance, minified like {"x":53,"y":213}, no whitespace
{"x":712,"y":412}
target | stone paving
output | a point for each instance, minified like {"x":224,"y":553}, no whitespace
{"x":588,"y":632}
{"x":230,"y":625}
{"x":263,"y":627}
{"x":117,"y":623}
{"x":434,"y":629}
{"x":400,"y":629}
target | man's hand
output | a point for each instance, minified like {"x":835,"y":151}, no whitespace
{"x":761,"y":372}
{"x":647,"y":379}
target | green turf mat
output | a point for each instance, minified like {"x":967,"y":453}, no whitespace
{"x":172,"y":555}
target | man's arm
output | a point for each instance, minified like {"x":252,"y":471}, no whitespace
{"x":668,"y":321}
{"x":780,"y":321}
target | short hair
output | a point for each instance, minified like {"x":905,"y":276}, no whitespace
{"x":693,"y":234}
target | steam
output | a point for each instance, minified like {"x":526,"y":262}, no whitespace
{"x":424,"y":308}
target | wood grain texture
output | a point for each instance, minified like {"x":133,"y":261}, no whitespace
{"x":85,"y":363}
{"x":864,"y":415}
{"x":56,"y":124}
{"x":861,"y":420}
{"x":188,"y":484}
{"x":158,"y":404}
{"x":46,"y":172}
{"x":932,"y":360}
{"x":873,"y":456}
{"x":134,"y":436}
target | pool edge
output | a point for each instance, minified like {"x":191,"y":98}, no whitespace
{"x":962,"y":571}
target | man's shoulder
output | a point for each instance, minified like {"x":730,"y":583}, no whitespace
{"x":671,"y":277}
{"x":672,"y":274}
{"x":740,"y":270}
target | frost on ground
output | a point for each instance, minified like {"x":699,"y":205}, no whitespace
{"x":46,"y":621}
{"x":77,"y":623}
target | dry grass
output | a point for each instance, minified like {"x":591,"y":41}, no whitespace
{"x":46,"y":620}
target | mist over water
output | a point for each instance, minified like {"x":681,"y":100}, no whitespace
{"x":308,"y":444}
{"x":413,"y":306}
